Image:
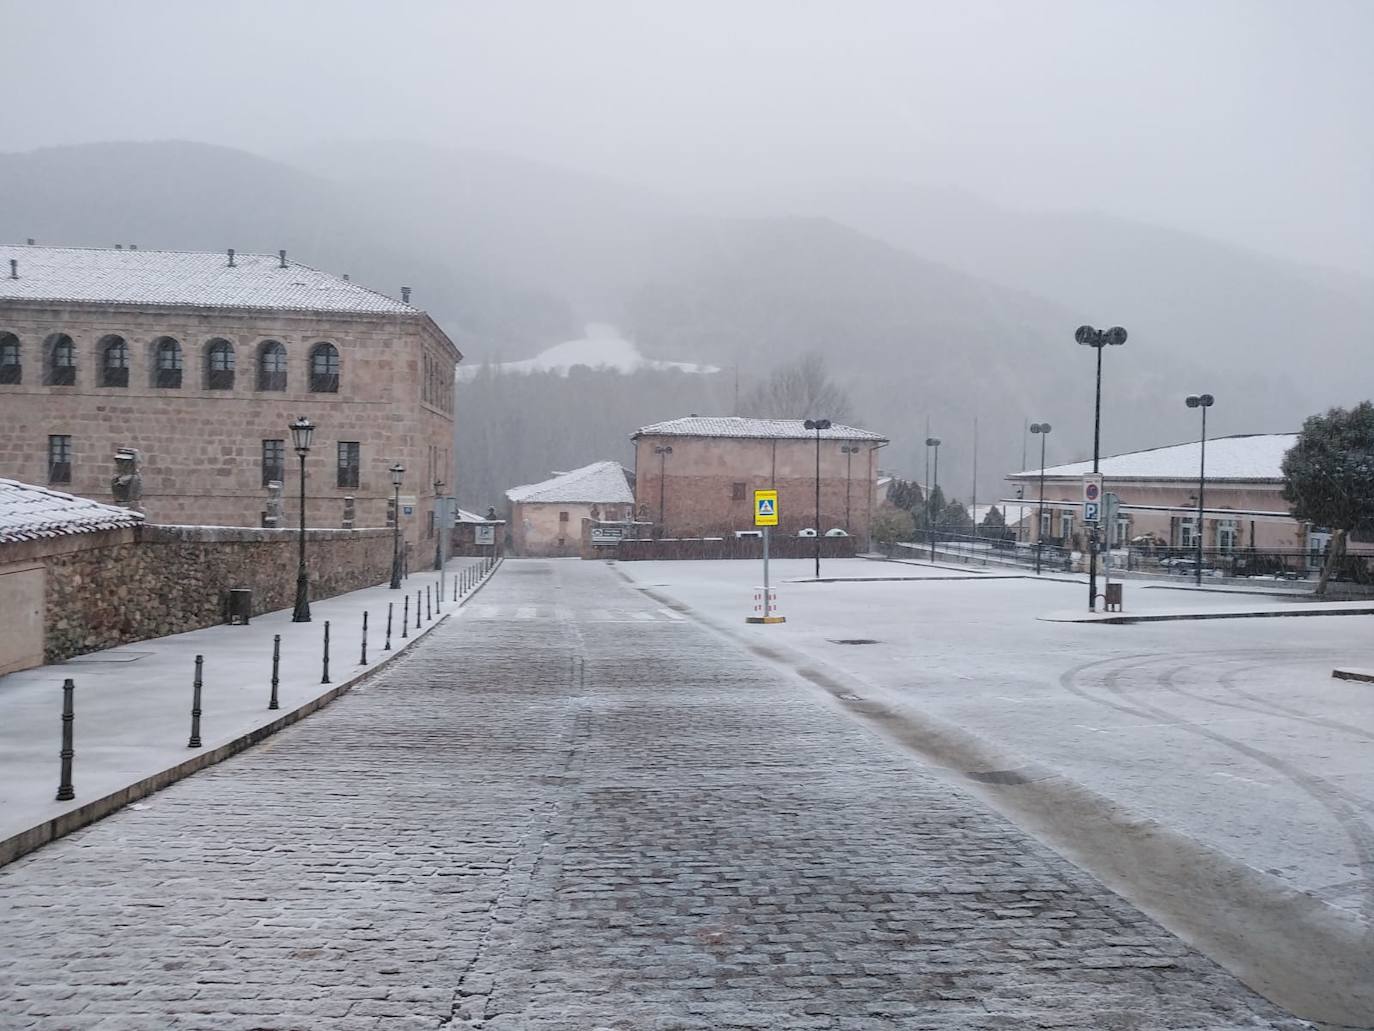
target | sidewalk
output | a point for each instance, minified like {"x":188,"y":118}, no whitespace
{"x":133,"y":702}
{"x":1234,"y":609}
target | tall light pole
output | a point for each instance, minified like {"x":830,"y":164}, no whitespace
{"x":1203,"y":401}
{"x":398,"y":472}
{"x":302,"y":430}
{"x":1041,"y":430}
{"x":849,"y":451}
{"x":931,"y":442}
{"x":1097,"y":339}
{"x":818,"y":425}
{"x":663,"y":451}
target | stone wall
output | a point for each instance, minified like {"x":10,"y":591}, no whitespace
{"x":727,"y":547}
{"x":106,"y":589}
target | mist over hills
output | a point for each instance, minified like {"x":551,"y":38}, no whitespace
{"x":927,"y":304}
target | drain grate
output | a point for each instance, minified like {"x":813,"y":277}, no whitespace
{"x":852,"y":640}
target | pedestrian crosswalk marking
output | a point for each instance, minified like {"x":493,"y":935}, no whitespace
{"x":525,"y":613}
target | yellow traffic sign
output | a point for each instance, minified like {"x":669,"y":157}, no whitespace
{"x":765,"y":508}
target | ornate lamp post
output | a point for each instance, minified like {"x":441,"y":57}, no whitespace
{"x":302,"y":431}
{"x":1203,"y":401}
{"x":1041,"y":430}
{"x":818,"y":425}
{"x":1097,"y":339}
{"x":663,"y":451}
{"x":932,"y":442}
{"x":398,"y":472}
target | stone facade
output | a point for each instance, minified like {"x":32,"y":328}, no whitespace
{"x":202,"y":451}
{"x":553,"y":529}
{"x":706,"y":486}
{"x":119,"y":586}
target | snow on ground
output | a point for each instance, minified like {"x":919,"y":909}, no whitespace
{"x":602,"y":347}
{"x":1230,"y":731}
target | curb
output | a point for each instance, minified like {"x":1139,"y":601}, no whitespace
{"x":26,"y":841}
{"x":1285,"y":944}
{"x":1363,"y":675}
{"x":1173,"y":617}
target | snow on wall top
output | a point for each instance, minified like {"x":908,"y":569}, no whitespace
{"x":600,"y":483}
{"x":28,"y":512}
{"x":1246,"y":456}
{"x":737,"y":426}
{"x":194,"y":278}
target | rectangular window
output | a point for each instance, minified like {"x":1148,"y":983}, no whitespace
{"x":59,"y":458}
{"x":430,"y":531}
{"x":1228,"y":535}
{"x":1187,"y":530}
{"x":1046,"y":525}
{"x":273,"y":461}
{"x":1066,"y":526}
{"x":562,"y":517}
{"x":350,"y":459}
{"x":736,"y":492}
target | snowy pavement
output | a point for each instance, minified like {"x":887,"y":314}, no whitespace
{"x":581,"y":819}
{"x":1231,"y":733}
{"x":133,"y":702}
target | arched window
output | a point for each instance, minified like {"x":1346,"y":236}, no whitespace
{"x":11,"y":365}
{"x":166,"y":363}
{"x":219,"y":365}
{"x":59,"y":360}
{"x":271,"y":366}
{"x":114,"y":362}
{"x":324,"y":369}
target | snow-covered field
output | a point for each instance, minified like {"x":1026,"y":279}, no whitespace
{"x":1230,"y":731}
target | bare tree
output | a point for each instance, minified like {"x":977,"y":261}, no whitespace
{"x":798,"y":390}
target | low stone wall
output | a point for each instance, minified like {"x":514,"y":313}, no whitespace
{"x":106,"y":589}
{"x":727,"y":547}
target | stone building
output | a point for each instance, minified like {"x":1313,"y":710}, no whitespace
{"x":546,"y":518}
{"x":1243,"y":503}
{"x":198,"y":362}
{"x":696,"y":477}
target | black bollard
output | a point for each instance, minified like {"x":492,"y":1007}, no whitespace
{"x":363,"y":661}
{"x":65,"y":791}
{"x":428,"y":613}
{"x":276,"y":670}
{"x":325,"y":679}
{"x":405,"y":618}
{"x":388,"y":627}
{"x":417,"y":609}
{"x":439,"y":596}
{"x":195,"y":706}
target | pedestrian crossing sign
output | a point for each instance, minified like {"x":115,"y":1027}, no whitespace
{"x":765,"y":508}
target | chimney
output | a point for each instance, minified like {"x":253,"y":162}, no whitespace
{"x":282,"y":256}
{"x":119,"y":246}
{"x":133,"y":246}
{"x":231,"y":257}
{"x":14,"y":268}
{"x":405,"y":295}
{"x":345,"y":277}
{"x":30,"y":241}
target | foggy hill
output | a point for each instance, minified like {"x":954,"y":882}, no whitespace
{"x":926,"y":306}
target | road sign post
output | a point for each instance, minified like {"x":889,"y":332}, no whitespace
{"x":766,"y":517}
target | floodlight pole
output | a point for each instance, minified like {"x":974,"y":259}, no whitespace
{"x":932,"y":442}
{"x":1203,"y":401}
{"x":818,"y":425}
{"x":1041,"y":430}
{"x":1097,"y":339}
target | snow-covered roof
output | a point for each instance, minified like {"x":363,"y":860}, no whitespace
{"x":737,"y":426}
{"x":464,"y":516}
{"x":1245,"y":456}
{"x":600,"y":483}
{"x":28,"y":512}
{"x":191,"y":278}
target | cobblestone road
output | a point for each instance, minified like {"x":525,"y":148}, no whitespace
{"x":479,"y":838}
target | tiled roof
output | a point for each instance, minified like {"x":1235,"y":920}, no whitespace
{"x":28,"y":512}
{"x":737,"y":426}
{"x":191,"y":278}
{"x":600,"y":483}
{"x":1252,"y":456}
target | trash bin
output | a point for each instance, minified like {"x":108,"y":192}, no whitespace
{"x":1113,"y":598}
{"x":240,"y":605}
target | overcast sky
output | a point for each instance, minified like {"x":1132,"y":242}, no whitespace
{"x":1251,"y":121}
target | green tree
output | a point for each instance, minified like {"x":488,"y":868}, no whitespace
{"x":955,"y":518}
{"x":905,"y":494}
{"x":993,"y":525}
{"x":891,"y":524}
{"x":1329,"y":477}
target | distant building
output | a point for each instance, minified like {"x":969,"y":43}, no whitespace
{"x":546,"y":518}
{"x":199,"y":361}
{"x":697,"y":476}
{"x":1243,"y":504}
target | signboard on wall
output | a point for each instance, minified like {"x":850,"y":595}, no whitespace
{"x":484,"y":534}
{"x":604,"y":535}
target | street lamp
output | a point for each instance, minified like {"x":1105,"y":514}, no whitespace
{"x":1097,"y":339}
{"x":818,"y":425}
{"x":398,"y":472}
{"x":1042,"y":430}
{"x":663,"y":451}
{"x":932,"y":442}
{"x":849,"y":451}
{"x":302,"y":430}
{"x":1203,"y":401}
